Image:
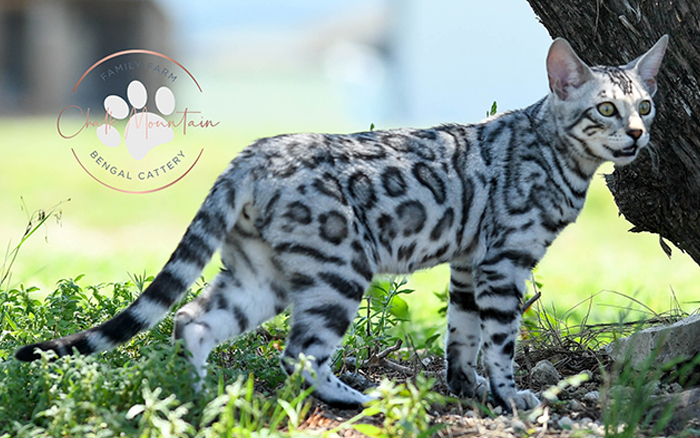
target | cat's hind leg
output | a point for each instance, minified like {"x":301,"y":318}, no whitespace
{"x":239,"y":299}
{"x":324,"y":306}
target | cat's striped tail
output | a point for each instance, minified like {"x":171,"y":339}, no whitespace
{"x":204,"y":236}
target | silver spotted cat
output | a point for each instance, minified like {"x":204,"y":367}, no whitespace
{"x":306,"y":220}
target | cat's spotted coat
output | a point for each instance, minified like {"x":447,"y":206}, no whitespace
{"x":307,"y":219}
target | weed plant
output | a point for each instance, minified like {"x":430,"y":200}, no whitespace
{"x":144,"y":388}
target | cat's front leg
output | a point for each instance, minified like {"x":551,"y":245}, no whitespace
{"x":499,"y":287}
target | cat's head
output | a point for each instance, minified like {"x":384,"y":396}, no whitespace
{"x":604,"y":112}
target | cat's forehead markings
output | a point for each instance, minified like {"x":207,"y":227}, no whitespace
{"x":639,"y":91}
{"x":619,"y":78}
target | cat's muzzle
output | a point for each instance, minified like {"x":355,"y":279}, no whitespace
{"x":629,"y":151}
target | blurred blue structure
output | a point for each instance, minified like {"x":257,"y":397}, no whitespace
{"x":46,"y":45}
{"x":386,"y":62}
{"x":298,"y":64}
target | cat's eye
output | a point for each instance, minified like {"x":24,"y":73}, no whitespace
{"x":607,"y":109}
{"x":644,"y":107}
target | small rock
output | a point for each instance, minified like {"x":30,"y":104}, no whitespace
{"x":592,"y":397}
{"x":553,"y":419}
{"x":585,"y":422}
{"x":351,"y":363}
{"x":675,"y":388}
{"x":565,"y":423}
{"x":655,"y":387}
{"x":471,"y":414}
{"x":575,"y":406}
{"x":598,"y":429}
{"x":498,"y":410}
{"x":518,"y":426}
{"x":545,"y":374}
{"x":357,"y":381}
{"x":625,"y":394}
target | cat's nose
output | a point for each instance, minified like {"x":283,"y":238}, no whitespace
{"x":635,"y":133}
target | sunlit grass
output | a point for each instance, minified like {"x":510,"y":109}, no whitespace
{"x":105,"y":234}
{"x":102,"y":233}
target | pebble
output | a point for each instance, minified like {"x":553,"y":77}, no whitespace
{"x":665,"y":389}
{"x":517,"y":425}
{"x":357,"y":380}
{"x":351,"y":363}
{"x":545,"y":374}
{"x":584,"y":422}
{"x":592,"y":397}
{"x":675,"y":388}
{"x":655,"y":387}
{"x":575,"y":406}
{"x":565,"y":423}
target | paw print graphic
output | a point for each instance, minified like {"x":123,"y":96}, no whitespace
{"x":144,"y":130}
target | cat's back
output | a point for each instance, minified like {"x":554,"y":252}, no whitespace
{"x":286,"y":154}
{"x":403,"y":195}
{"x":363,"y":165}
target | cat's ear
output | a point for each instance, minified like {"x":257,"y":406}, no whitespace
{"x":647,"y":65}
{"x":565,"y":69}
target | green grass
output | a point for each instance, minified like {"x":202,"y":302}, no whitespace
{"x":144,"y":388}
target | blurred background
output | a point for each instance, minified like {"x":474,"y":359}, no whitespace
{"x":272,"y":67}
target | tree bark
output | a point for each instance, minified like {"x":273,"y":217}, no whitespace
{"x":660,"y":191}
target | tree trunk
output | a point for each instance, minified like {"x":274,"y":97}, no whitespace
{"x":660,"y":191}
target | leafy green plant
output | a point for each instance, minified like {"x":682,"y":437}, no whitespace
{"x":160,"y":417}
{"x":381,"y":312}
{"x":493,"y":110}
{"x":140,"y":281}
{"x":240,"y":411}
{"x":122,"y":391}
{"x":403,"y":409}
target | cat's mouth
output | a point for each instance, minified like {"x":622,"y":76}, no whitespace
{"x":629,"y":151}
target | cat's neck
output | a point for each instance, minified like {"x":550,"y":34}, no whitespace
{"x":552,"y":133}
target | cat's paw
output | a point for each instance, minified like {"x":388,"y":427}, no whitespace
{"x":337,"y":394}
{"x":144,"y":130}
{"x":475,"y":387}
{"x":522,"y":400}
{"x":347,"y":403}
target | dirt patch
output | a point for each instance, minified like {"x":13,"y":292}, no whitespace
{"x":575,"y":411}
